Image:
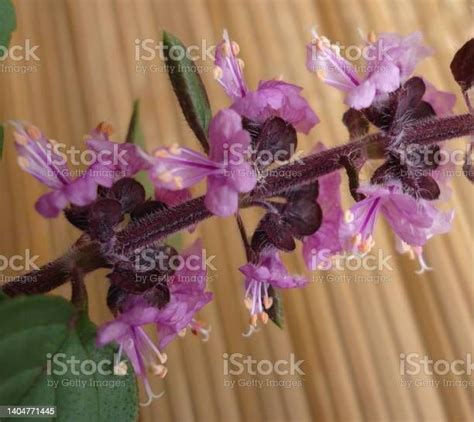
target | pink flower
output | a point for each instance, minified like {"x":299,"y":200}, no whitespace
{"x":38,"y":156}
{"x":390,"y":61}
{"x":172,"y":197}
{"x":42,"y":158}
{"x":226,"y":169}
{"x":413,"y":220}
{"x":269,"y":272}
{"x":187,"y":296}
{"x":127,"y":330}
{"x":114,"y":160}
{"x":442,"y":101}
{"x":271,"y":99}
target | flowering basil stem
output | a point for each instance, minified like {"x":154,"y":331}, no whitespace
{"x":249,"y":160}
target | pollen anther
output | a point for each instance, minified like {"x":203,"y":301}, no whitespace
{"x":33,"y":132}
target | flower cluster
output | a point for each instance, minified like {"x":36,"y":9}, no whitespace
{"x":303,"y":203}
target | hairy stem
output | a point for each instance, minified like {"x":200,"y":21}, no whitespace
{"x":162,"y":224}
{"x":79,"y":292}
{"x":85,"y":256}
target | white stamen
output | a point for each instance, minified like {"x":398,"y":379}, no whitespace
{"x":372,"y":37}
{"x":205,"y":333}
{"x":159,"y":370}
{"x":235,"y":48}
{"x":348,"y":217}
{"x":252,"y":329}
{"x":217,"y":72}
{"x":151,"y":396}
{"x":121,"y":369}
{"x":421,"y":260}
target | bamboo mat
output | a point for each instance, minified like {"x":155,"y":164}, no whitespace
{"x":349,"y":335}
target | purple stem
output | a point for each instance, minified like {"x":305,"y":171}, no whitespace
{"x":162,"y":224}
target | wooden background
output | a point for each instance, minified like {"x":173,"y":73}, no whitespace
{"x":350,"y":335}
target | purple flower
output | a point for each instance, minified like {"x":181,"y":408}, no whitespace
{"x":42,"y":158}
{"x":277,"y":99}
{"x":39,"y":157}
{"x":271,"y":99}
{"x":269,"y":272}
{"x":414,"y":221}
{"x":391,"y":58}
{"x":442,"y":101}
{"x":325,"y":242}
{"x":127,"y":330}
{"x":113,"y":160}
{"x":227,"y":171}
{"x":172,"y":198}
{"x":187,"y":296}
{"x":228,"y":70}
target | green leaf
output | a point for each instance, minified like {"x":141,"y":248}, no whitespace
{"x":7,"y":26}
{"x":135,"y":136}
{"x":7,"y":22}
{"x":3,"y":296}
{"x":134,"y":133}
{"x":188,"y":87}
{"x":275,"y":313}
{"x":40,"y":334}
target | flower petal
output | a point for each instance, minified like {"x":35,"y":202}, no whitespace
{"x":228,"y":68}
{"x":221,"y":198}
